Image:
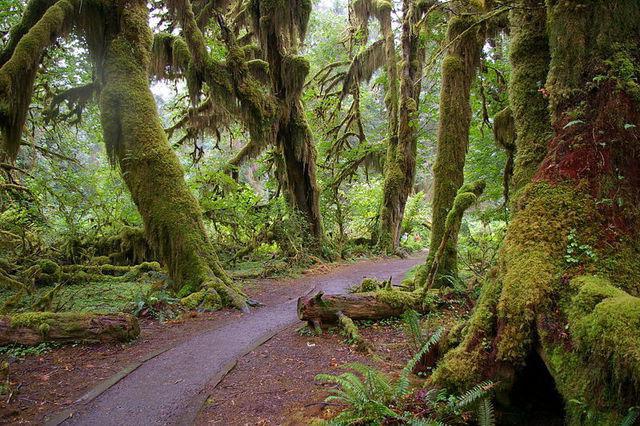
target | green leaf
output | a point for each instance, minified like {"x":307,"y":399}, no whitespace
{"x":573,"y":123}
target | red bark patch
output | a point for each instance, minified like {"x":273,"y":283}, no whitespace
{"x":600,"y":152}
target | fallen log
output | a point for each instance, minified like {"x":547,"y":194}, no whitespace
{"x":372,"y":305}
{"x":32,"y":328}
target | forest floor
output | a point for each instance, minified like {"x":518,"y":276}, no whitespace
{"x":222,"y":368}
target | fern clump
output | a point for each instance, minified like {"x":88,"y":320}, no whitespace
{"x":372,"y":397}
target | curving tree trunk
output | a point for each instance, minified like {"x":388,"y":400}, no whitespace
{"x":137,"y":142}
{"x":567,"y":291}
{"x":459,"y":68}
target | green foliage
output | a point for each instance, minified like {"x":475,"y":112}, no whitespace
{"x":577,"y":253}
{"x":371,"y":395}
{"x":21,"y":351}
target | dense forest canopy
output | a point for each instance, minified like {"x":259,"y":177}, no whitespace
{"x":171,"y":149}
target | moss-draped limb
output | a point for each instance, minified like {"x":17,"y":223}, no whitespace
{"x":504,"y":133}
{"x":33,"y":12}
{"x":567,"y":283}
{"x":467,"y":195}
{"x":137,"y":142}
{"x":458,"y":72}
{"x":18,"y":73}
{"x":529,"y":58}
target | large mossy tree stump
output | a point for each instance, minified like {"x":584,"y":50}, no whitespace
{"x":32,"y":328}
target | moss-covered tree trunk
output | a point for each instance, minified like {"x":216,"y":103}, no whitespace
{"x":458,"y":72}
{"x":529,"y":56}
{"x":400,"y":164}
{"x":392,"y":207}
{"x":567,"y":285}
{"x":137,"y":142}
{"x":281,"y":27}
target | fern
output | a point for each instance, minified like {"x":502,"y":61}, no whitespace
{"x":402,"y":386}
{"x":474,"y":394}
{"x":368,"y":397}
{"x":413,"y":328}
{"x":486,"y":416}
{"x":424,"y":422}
{"x":631,"y":417}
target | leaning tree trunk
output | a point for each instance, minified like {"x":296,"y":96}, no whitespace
{"x":137,"y":142}
{"x":567,"y":286}
{"x":458,"y":72}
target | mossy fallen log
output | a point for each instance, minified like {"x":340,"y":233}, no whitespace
{"x":32,"y":328}
{"x":371,"y":305}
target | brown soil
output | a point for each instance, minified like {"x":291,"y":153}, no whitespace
{"x":49,"y":383}
{"x":274,"y":384}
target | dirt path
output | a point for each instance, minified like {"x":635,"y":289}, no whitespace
{"x":170,"y":387}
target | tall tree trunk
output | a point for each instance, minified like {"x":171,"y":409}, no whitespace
{"x":281,"y":28}
{"x":137,"y":142}
{"x":458,"y":72}
{"x":392,"y":206}
{"x":567,"y":286}
{"x":400,"y":165}
{"x":529,"y":55}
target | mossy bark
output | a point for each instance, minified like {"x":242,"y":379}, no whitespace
{"x":402,"y":108}
{"x":394,"y":174}
{"x":281,"y":27}
{"x":529,"y":57}
{"x":426,"y":275}
{"x":137,"y":142}
{"x":567,"y":282}
{"x":458,"y":73}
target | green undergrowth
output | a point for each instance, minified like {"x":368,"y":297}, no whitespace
{"x":107,"y":296}
{"x":22,"y":351}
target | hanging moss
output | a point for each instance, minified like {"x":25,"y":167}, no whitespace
{"x":137,"y":142}
{"x":294,"y":70}
{"x":281,"y":27}
{"x":17,"y":75}
{"x":458,"y":72}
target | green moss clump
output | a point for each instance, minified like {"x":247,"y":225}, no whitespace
{"x":466,"y":365}
{"x":368,"y":284}
{"x":601,"y":365}
{"x":48,"y":266}
{"x":398,"y":299}
{"x":206,"y":300}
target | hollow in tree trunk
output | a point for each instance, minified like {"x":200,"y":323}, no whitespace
{"x":567,"y":284}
